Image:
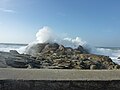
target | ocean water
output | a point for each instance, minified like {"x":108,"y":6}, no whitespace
{"x":6,"y":47}
{"x":112,"y":52}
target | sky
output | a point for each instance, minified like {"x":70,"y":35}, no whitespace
{"x":95,"y":21}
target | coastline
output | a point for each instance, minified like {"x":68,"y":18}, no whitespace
{"x":21,"y":44}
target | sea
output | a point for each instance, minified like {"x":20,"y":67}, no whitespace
{"x":112,"y":52}
{"x":6,"y":47}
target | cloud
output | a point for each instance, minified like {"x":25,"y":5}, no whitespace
{"x":7,"y":10}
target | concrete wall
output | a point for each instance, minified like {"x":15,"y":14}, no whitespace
{"x":54,"y":79}
{"x":58,"y":85}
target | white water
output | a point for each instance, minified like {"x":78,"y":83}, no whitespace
{"x":112,"y":53}
{"x":7,"y":47}
{"x":46,"y":35}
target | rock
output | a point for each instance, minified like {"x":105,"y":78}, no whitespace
{"x":102,"y":62}
{"x":117,"y":67}
{"x":13,"y":52}
{"x":61,"y":48}
{"x":64,"y":65}
{"x":15,"y":60}
{"x":76,"y":52}
{"x":2,"y":62}
{"x":16,"y":64}
{"x":81,"y":50}
{"x":92,"y":67}
{"x":111,"y":67}
{"x":35,"y":48}
{"x":53,"y":67}
{"x":69,"y":50}
{"x":118,"y":57}
{"x":55,"y":56}
{"x":29,"y":66}
{"x":51,"y":47}
{"x":100,"y":58}
{"x":3,"y":56}
{"x":87,"y":63}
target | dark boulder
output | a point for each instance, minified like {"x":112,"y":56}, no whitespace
{"x":2,"y":62}
{"x":16,"y":62}
{"x":13,"y":52}
{"x":35,"y":48}
{"x":51,"y":47}
{"x":81,"y":50}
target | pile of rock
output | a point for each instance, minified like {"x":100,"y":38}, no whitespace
{"x":55,"y":56}
{"x":51,"y":48}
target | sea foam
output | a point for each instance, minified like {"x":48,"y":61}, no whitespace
{"x":46,"y":35}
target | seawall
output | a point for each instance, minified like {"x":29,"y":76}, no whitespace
{"x":57,"y":79}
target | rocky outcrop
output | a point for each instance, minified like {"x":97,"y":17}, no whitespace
{"x":13,"y":52}
{"x":103,"y":62}
{"x":50,"y":48}
{"x":34,"y":49}
{"x":55,"y":56}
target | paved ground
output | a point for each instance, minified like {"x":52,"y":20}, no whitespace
{"x":57,"y":74}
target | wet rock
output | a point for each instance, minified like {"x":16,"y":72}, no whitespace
{"x":2,"y":62}
{"x":13,"y":52}
{"x":16,"y":64}
{"x":15,"y":60}
{"x":35,"y":48}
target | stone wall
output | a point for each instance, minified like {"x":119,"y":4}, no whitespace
{"x":58,"y":85}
